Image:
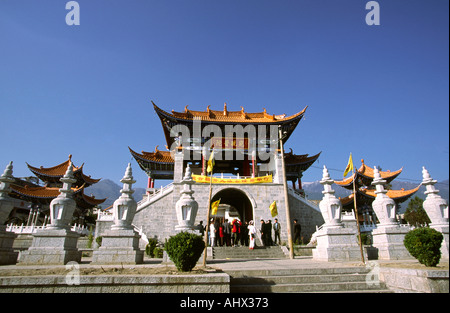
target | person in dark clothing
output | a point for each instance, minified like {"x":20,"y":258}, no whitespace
{"x":227,"y":232}
{"x":262,"y":231}
{"x":269,"y":233}
{"x":297,"y":231}
{"x":277,"y":230}
{"x":244,"y":234}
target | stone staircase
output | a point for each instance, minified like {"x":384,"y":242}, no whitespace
{"x":274,"y":252}
{"x":319,"y":280}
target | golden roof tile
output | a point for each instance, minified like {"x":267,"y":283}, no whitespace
{"x":229,"y":116}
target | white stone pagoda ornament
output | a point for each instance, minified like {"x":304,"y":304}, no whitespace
{"x":383,"y":206}
{"x":330,"y":206}
{"x":7,"y":253}
{"x":437,"y":210}
{"x":56,"y":243}
{"x":120,"y":244}
{"x":389,"y":235}
{"x":63,"y":206}
{"x":6,"y":203}
{"x":124,"y":208}
{"x":435,"y":206}
{"x":186,"y":207}
{"x":334,"y":241}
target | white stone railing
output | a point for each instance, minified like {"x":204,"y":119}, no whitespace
{"x":29,"y":230}
{"x":298,"y":196}
{"x":141,"y":233}
{"x":105,"y":216}
{"x":150,"y":198}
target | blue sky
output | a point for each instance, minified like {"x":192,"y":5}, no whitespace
{"x":380,"y":92}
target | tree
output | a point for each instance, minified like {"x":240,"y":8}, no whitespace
{"x":415,"y":215}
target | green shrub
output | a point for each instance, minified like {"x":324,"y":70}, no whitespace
{"x":425,"y":245}
{"x":90,"y":240}
{"x":158,"y":252}
{"x":184,"y":249}
{"x":150,"y":247}
{"x":98,"y":240}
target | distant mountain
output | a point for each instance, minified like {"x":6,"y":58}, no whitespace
{"x":313,"y":190}
{"x":106,"y":188}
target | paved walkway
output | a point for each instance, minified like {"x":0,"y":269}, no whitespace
{"x":250,"y":264}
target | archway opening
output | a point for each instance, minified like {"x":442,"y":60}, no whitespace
{"x":237,"y":201}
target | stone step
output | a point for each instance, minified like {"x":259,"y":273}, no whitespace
{"x":316,"y":287}
{"x":299,"y":279}
{"x":246,"y":253}
{"x":339,"y":279}
{"x":299,"y":271}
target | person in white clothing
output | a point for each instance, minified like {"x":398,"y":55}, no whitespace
{"x":251,"y":234}
{"x":212,"y":233}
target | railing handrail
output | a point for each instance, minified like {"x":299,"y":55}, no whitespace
{"x":160,"y":192}
{"x":21,"y":229}
{"x":303,"y":199}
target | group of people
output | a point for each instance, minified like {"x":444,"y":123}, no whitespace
{"x":225,"y":233}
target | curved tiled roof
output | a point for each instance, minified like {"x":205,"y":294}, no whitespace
{"x":47,"y":194}
{"x":365,"y":175}
{"x":54,"y":173}
{"x":40,"y":192}
{"x":398,"y":196}
{"x":156,"y":157}
{"x":229,"y":116}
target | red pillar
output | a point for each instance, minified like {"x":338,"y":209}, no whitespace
{"x":300,"y":183}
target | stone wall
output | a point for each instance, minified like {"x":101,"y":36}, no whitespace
{"x":159,"y":218}
{"x":207,"y":283}
{"x":415,"y":280}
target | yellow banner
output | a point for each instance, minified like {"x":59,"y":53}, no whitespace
{"x":218,"y":180}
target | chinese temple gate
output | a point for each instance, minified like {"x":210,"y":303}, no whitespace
{"x":248,"y":172}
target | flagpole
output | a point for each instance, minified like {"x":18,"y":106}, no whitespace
{"x":205,"y":252}
{"x":286,"y":198}
{"x":357,"y":218}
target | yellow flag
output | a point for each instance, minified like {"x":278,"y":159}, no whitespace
{"x":349,"y":167}
{"x":273,"y":209}
{"x":211,"y":163}
{"x":214,"y":207}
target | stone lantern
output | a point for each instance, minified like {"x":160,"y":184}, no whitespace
{"x":124,"y":208}
{"x":437,"y":210}
{"x":7,"y":254}
{"x":334,"y":241}
{"x":383,"y":206}
{"x":6,"y":203}
{"x":120,"y":244}
{"x":56,"y":243}
{"x":330,"y":206}
{"x":186,"y":207}
{"x":389,"y":235}
{"x":63,"y":206}
{"x":435,"y":206}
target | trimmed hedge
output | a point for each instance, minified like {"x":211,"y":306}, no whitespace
{"x":425,"y":245}
{"x":184,"y":249}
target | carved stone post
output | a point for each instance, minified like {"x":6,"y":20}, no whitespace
{"x":437,"y":210}
{"x":7,"y":254}
{"x":186,"y":207}
{"x":57,"y":243}
{"x":334,"y":241}
{"x":388,"y":236}
{"x":121,"y":243}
